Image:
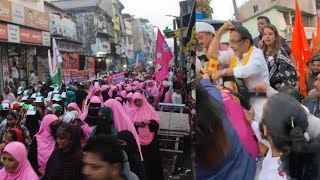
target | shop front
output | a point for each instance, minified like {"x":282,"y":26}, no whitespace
{"x":76,"y":67}
{"x":23,"y":48}
{"x":24,"y":41}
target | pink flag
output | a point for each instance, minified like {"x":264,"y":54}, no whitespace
{"x":162,"y":57}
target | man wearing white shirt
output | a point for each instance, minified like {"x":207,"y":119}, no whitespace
{"x":15,"y":73}
{"x":246,"y":62}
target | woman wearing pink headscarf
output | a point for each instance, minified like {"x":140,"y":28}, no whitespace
{"x":121,"y":120}
{"x":153,"y":92}
{"x":128,"y":88}
{"x":119,"y":86}
{"x":23,"y":169}
{"x":104,"y":92}
{"x":113,"y":92}
{"x":74,"y":107}
{"x":89,"y":117}
{"x":147,"y":122}
{"x":129,"y":104}
{"x":43,"y":143}
{"x":95,"y":91}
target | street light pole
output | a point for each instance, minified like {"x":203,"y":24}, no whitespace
{"x":181,"y":42}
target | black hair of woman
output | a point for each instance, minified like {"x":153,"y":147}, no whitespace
{"x":285,"y":123}
{"x":211,"y":141}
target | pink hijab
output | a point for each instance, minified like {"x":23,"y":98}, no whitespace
{"x":111,"y":90}
{"x":24,"y":169}
{"x":93,"y":91}
{"x":152,"y":90}
{"x":119,"y":86}
{"x":104,"y":87}
{"x":76,"y":108}
{"x":128,"y":106}
{"x":145,"y":112}
{"x":87,"y":130}
{"x":45,"y":141}
{"x":128,"y":88}
{"x":124,"y":94}
{"x":121,"y":119}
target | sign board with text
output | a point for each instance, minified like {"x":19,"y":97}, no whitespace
{"x":16,"y":34}
{"x":22,"y":15}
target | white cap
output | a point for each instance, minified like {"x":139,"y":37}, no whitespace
{"x":5,"y":106}
{"x":56,"y":90}
{"x":20,"y":90}
{"x":26,"y":93}
{"x":64,"y":95}
{"x":204,"y":27}
{"x":69,"y":116}
{"x":56,"y":97}
{"x":24,"y":98}
{"x":31,"y":110}
{"x":39,"y":99}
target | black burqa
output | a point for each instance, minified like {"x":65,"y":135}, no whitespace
{"x":32,"y":123}
{"x":80,"y":96}
{"x":131,"y":148}
{"x":66,"y":165}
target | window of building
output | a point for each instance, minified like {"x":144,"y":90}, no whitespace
{"x":255,"y":8}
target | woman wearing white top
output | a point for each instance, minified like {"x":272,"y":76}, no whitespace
{"x":15,"y":73}
{"x":291,"y":154}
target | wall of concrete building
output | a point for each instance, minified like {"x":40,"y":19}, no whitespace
{"x":247,"y":11}
{"x":129,"y":41}
{"x":137,"y":36}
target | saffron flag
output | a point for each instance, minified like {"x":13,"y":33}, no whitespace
{"x":163,"y":55}
{"x":55,"y":64}
{"x":318,"y":33}
{"x":314,"y":43}
{"x":300,"y":48}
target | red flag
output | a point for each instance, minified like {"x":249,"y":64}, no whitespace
{"x":314,"y":43}
{"x":162,"y":57}
{"x":318,"y":32}
{"x":300,"y":48}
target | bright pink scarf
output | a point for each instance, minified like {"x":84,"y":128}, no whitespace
{"x":93,"y":91}
{"x":145,"y":112}
{"x":104,"y":87}
{"x":76,"y":108}
{"x":110,"y":93}
{"x":45,"y":141}
{"x":119,"y":87}
{"x":124,"y":94}
{"x":121,"y":119}
{"x":24,"y":169}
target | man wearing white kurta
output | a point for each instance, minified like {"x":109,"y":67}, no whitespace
{"x":250,"y":62}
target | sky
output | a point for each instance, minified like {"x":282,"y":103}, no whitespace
{"x":155,"y":11}
{"x":223,"y":9}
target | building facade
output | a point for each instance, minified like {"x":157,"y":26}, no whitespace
{"x":24,"y":39}
{"x":281,"y":14}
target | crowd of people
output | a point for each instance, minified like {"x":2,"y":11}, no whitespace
{"x":92,"y":130}
{"x":252,"y":122}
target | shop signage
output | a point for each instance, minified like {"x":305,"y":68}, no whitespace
{"x":46,"y":41}
{"x":17,"y":34}
{"x":69,"y":47}
{"x":17,"y":13}
{"x":13,"y":33}
{"x":30,"y":36}
{"x":3,"y":31}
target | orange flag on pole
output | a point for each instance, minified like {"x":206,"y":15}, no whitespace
{"x":314,"y":43}
{"x":318,"y":32}
{"x":300,"y":48}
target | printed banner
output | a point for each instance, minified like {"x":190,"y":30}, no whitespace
{"x":163,"y":56}
{"x":116,"y":78}
{"x":30,"y":36}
